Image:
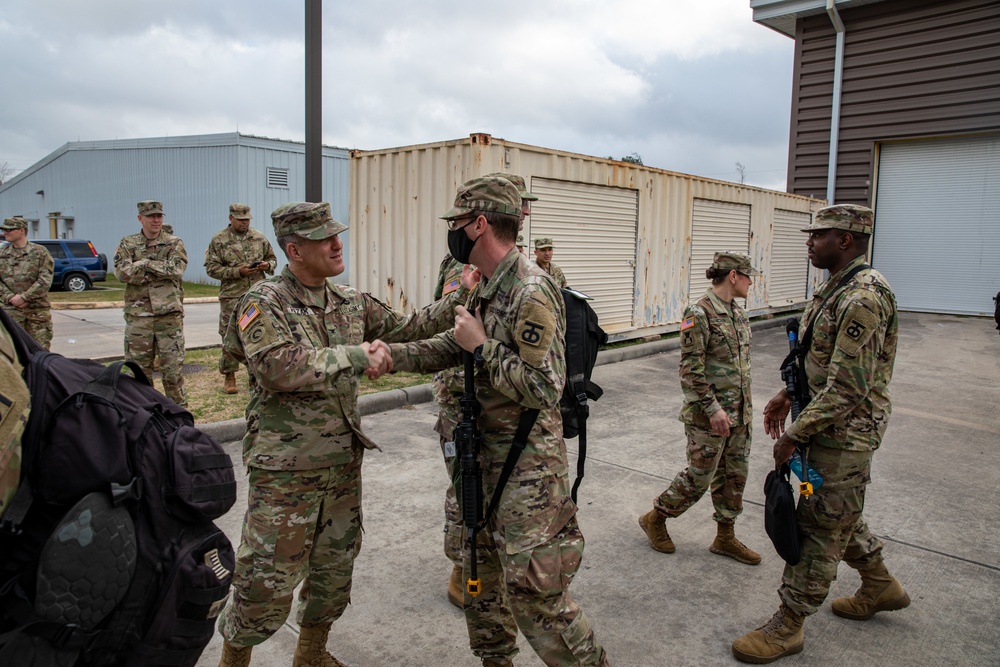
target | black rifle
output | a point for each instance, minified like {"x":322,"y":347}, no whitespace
{"x":467,"y":444}
{"x":797,"y":387}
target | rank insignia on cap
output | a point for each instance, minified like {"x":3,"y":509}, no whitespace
{"x":249,"y":315}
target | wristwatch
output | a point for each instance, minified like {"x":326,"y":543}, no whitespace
{"x":477,"y":356}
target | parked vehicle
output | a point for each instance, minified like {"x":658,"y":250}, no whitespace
{"x":78,"y":265}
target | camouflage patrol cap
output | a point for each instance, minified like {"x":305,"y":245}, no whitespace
{"x":542,"y":243}
{"x":306,"y":219}
{"x":522,"y":187}
{"x":240,"y":211}
{"x":734,"y":261}
{"x":521,"y":243}
{"x":849,"y":217}
{"x":17,"y":222}
{"x":150,"y":207}
{"x":486,"y":193}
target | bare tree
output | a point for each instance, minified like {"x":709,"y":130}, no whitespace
{"x":6,"y":171}
{"x":741,"y":169}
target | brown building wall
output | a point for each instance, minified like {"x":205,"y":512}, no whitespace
{"x":912,"y":68}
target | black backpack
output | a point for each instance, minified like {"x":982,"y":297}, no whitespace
{"x":108,"y":552}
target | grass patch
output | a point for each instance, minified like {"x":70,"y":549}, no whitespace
{"x":208,"y":403}
{"x":114,"y":290}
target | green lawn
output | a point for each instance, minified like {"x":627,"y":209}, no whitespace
{"x":113,"y":290}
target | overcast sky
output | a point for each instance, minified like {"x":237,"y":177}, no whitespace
{"x":690,"y":85}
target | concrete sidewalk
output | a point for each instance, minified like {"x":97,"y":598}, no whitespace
{"x":932,"y":501}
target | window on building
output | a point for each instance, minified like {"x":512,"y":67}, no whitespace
{"x":277,"y":177}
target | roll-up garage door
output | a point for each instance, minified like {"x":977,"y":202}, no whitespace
{"x":937,"y":226}
{"x":715,"y":226}
{"x":593,"y":228}
{"x":788,"y":276}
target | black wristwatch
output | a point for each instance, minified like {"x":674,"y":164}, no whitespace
{"x":477,"y":356}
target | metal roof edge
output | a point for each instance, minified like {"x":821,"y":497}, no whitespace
{"x":781,"y":15}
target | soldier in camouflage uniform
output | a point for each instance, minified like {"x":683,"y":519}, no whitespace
{"x":306,"y":341}
{"x":532,"y":546}
{"x":522,"y":245}
{"x":15,"y":402}
{"x":543,"y":257}
{"x":25,"y":279}
{"x":848,"y":367}
{"x":449,"y":385}
{"x":238,"y":256}
{"x":151,"y":264}
{"x":717,"y":412}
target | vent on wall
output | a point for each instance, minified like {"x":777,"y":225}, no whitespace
{"x":277,"y":177}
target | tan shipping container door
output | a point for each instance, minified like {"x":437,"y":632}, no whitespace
{"x":787,"y":277}
{"x":716,"y":226}
{"x":593,"y":228}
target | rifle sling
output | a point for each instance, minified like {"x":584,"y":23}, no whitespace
{"x":807,"y":338}
{"x":524,"y":425}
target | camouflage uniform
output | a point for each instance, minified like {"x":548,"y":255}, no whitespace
{"x":715,"y":374}
{"x":304,"y":444}
{"x":849,"y":366}
{"x":449,"y":385}
{"x":552,"y":269}
{"x":226,"y":253}
{"x":532,"y":546}
{"x":14,"y":405}
{"x":154,"y":310}
{"x":27,"y":272}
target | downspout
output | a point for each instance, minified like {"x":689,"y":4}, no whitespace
{"x":838,"y":79}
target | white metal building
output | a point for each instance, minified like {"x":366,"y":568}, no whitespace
{"x":89,"y":189}
{"x":636,"y":239}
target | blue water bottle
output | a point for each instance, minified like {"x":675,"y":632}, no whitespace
{"x":812,"y":479}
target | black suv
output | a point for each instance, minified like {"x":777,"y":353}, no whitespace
{"x":77,"y":263}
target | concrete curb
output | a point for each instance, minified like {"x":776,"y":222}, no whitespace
{"x":121,"y":304}
{"x":369,"y":404}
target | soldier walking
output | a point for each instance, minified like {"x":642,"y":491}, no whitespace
{"x":151,"y":264}
{"x":848,"y":365}
{"x":543,"y":257}
{"x":25,"y":279}
{"x":238,"y":256}
{"x":717,"y":412}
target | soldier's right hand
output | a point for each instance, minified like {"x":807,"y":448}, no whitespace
{"x":379,"y":358}
{"x":720,"y":423}
{"x":245,"y":270}
{"x":775,"y":413}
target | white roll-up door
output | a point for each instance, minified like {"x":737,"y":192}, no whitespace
{"x":788,"y":276}
{"x":937,"y":223}
{"x":593,"y":228}
{"x":716,"y":226}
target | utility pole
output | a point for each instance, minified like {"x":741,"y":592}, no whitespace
{"x":314,"y":100}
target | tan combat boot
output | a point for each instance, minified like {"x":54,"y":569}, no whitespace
{"x":497,"y":662}
{"x":779,"y":637}
{"x":456,"y":592}
{"x":726,"y":544}
{"x":654,"y":525}
{"x":234,"y":656}
{"x":230,"y":385}
{"x":879,"y":592}
{"x":311,"y":649}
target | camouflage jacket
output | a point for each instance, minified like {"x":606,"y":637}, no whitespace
{"x":525,"y":367}
{"x":849,"y":363}
{"x":304,"y":349}
{"x":228,"y":251}
{"x":151,"y":271}
{"x":26,"y":271}
{"x":715,"y":361}
{"x":449,"y":383}
{"x":15,"y":402}
{"x":556,"y":273}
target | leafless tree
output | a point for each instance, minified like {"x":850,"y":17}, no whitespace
{"x":741,"y":169}
{"x":6,"y":171}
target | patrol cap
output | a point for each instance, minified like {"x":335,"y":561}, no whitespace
{"x":306,"y":219}
{"x":522,"y":187}
{"x":240,"y":211}
{"x":542,"y":243}
{"x":17,"y":222}
{"x":521,"y":243}
{"x":849,"y":217}
{"x":150,"y":207}
{"x":734,"y":261}
{"x":486,"y":193}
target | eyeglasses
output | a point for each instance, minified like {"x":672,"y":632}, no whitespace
{"x":454,"y":226}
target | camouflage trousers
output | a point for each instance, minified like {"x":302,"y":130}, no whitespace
{"x":715,"y":462}
{"x":447,"y":391}
{"x":227,"y":362}
{"x":454,"y":529}
{"x":300,"y":526}
{"x":832,"y":528}
{"x":159,"y":336}
{"x":526,"y":558}
{"x":37,"y":322}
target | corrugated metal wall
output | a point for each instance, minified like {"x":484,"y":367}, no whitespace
{"x":98,"y":184}
{"x":397,"y":194}
{"x":912,"y":68}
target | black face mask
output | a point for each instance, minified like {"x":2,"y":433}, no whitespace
{"x":460,"y":245}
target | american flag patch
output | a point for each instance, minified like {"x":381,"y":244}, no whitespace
{"x":450,"y":287}
{"x":687,"y":324}
{"x":249,"y":315}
